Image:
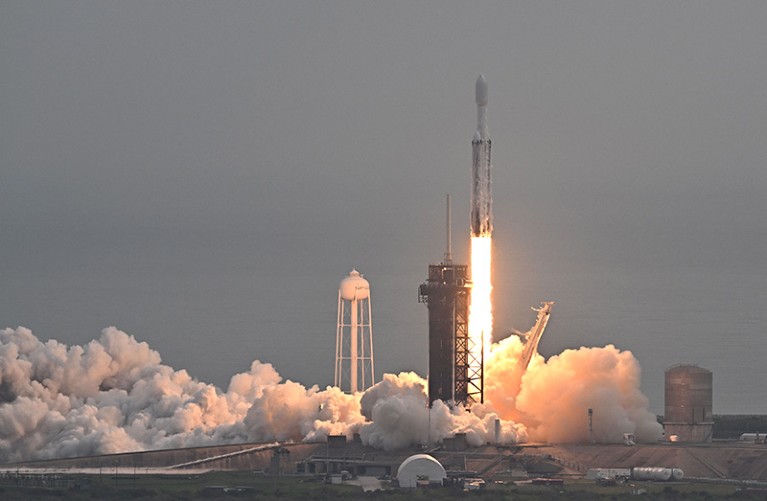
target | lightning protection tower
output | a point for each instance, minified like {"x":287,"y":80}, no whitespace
{"x":354,"y":370}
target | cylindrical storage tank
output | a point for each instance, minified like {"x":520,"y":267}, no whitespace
{"x":689,"y":395}
{"x":753,"y":437}
{"x":677,"y":474}
{"x":651,"y":473}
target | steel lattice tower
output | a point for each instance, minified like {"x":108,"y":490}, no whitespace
{"x":446,"y":293}
{"x":454,"y":375}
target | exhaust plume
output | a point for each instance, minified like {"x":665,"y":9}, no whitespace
{"x":115,"y":395}
{"x":552,"y":397}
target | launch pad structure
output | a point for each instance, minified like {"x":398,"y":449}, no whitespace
{"x":455,"y":374}
{"x":456,"y":363}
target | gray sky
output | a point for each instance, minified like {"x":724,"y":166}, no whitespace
{"x":202,"y":174}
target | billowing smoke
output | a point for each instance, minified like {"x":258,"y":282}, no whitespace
{"x":115,"y":395}
{"x":552,"y":397}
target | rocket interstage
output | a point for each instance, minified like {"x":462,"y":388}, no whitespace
{"x":481,"y":196}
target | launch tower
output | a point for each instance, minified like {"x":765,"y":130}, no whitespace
{"x":446,"y":294}
{"x":354,"y":369}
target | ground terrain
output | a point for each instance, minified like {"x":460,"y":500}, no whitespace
{"x":724,"y":470}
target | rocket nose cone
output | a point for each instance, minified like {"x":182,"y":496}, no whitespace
{"x":481,"y":91}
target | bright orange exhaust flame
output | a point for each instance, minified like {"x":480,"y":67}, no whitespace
{"x":480,"y":310}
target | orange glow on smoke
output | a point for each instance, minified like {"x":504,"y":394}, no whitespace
{"x":480,"y":310}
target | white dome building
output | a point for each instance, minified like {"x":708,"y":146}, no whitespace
{"x":420,"y":467}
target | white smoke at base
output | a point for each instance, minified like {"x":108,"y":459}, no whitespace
{"x":114,"y":395}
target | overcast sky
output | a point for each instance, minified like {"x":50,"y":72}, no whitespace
{"x":203,"y":174}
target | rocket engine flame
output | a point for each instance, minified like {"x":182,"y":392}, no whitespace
{"x":480,"y":309}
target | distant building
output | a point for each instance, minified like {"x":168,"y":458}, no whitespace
{"x":689,"y":397}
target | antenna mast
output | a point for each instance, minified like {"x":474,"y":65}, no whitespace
{"x":449,"y":245}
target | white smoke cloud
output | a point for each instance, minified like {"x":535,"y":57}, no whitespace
{"x":115,"y":395}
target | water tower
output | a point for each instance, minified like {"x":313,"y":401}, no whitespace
{"x":354,"y":369}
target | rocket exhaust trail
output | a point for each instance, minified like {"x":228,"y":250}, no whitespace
{"x":480,"y":309}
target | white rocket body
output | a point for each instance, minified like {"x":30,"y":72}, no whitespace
{"x":481,"y":196}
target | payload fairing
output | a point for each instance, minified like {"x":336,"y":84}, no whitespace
{"x":481,"y":196}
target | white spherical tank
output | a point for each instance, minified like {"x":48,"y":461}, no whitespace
{"x":354,"y":287}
